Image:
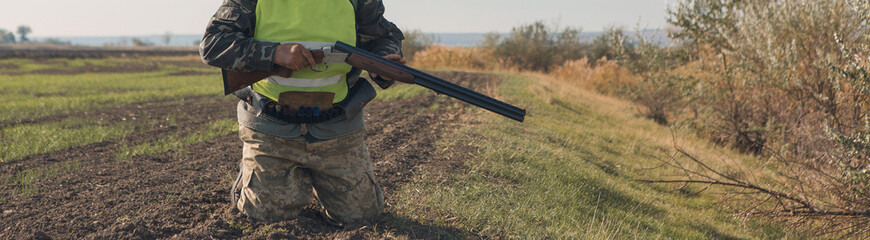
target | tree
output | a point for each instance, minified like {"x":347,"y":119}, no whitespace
{"x":6,"y":37}
{"x":609,"y":44}
{"x":167,"y":38}
{"x":22,"y":33}
{"x":707,"y":21}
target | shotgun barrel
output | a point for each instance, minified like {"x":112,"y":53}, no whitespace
{"x":370,"y":62}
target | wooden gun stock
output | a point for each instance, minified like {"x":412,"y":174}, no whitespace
{"x":234,"y":81}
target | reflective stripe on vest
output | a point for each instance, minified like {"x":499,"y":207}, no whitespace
{"x":314,"y":24}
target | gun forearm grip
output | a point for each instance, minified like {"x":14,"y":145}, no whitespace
{"x":379,"y":68}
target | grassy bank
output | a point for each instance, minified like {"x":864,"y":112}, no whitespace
{"x":569,"y":171}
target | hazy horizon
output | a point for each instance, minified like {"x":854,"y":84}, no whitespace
{"x":99,"y":18}
{"x":448,"y":39}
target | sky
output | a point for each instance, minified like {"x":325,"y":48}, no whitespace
{"x":157,"y":17}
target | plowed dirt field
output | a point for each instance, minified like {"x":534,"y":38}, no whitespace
{"x":185,"y":193}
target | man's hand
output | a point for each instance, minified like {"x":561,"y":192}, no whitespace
{"x":293,"y":56}
{"x":394,"y":58}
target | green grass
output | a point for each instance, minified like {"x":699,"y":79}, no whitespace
{"x":29,"y":65}
{"x":27,"y":139}
{"x":25,"y":181}
{"x":177,"y":142}
{"x":569,"y":171}
{"x":38,"y":95}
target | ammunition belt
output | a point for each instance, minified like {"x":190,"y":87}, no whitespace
{"x":358,"y":96}
{"x":301,"y":115}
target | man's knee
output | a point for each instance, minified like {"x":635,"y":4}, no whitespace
{"x":356,"y":202}
{"x":271,"y":207}
{"x":274,"y":195}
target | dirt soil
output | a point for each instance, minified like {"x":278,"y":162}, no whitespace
{"x":185,"y":193}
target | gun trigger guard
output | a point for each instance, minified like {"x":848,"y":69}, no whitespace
{"x":319,"y":69}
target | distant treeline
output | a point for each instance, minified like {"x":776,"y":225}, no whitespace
{"x":447,"y":39}
{"x":9,"y":37}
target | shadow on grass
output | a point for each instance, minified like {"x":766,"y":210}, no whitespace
{"x":577,"y":110}
{"x":392,"y":224}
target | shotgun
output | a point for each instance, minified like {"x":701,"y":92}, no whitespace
{"x":343,"y":52}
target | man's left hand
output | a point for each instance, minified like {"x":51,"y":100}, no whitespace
{"x":394,"y":58}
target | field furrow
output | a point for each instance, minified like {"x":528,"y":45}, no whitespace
{"x":142,"y":122}
{"x":117,"y":113}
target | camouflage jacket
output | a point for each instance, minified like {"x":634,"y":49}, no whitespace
{"x":229,"y":38}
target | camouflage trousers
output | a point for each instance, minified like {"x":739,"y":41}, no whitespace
{"x":279,"y":177}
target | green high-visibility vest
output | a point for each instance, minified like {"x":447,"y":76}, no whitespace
{"x":314,"y":24}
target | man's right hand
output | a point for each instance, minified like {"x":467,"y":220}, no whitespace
{"x":293,"y":56}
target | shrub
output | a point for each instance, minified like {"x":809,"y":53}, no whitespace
{"x":609,"y":43}
{"x":661,"y":92}
{"x":415,"y":41}
{"x":537,"y":47}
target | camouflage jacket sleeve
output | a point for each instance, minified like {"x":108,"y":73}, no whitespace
{"x":229,"y":39}
{"x":375,"y":34}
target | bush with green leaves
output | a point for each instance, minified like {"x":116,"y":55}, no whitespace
{"x":608,"y":43}
{"x":537,"y":46}
{"x":661,"y":92}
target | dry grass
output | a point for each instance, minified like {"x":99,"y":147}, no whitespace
{"x":605,"y":76}
{"x":460,"y":58}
